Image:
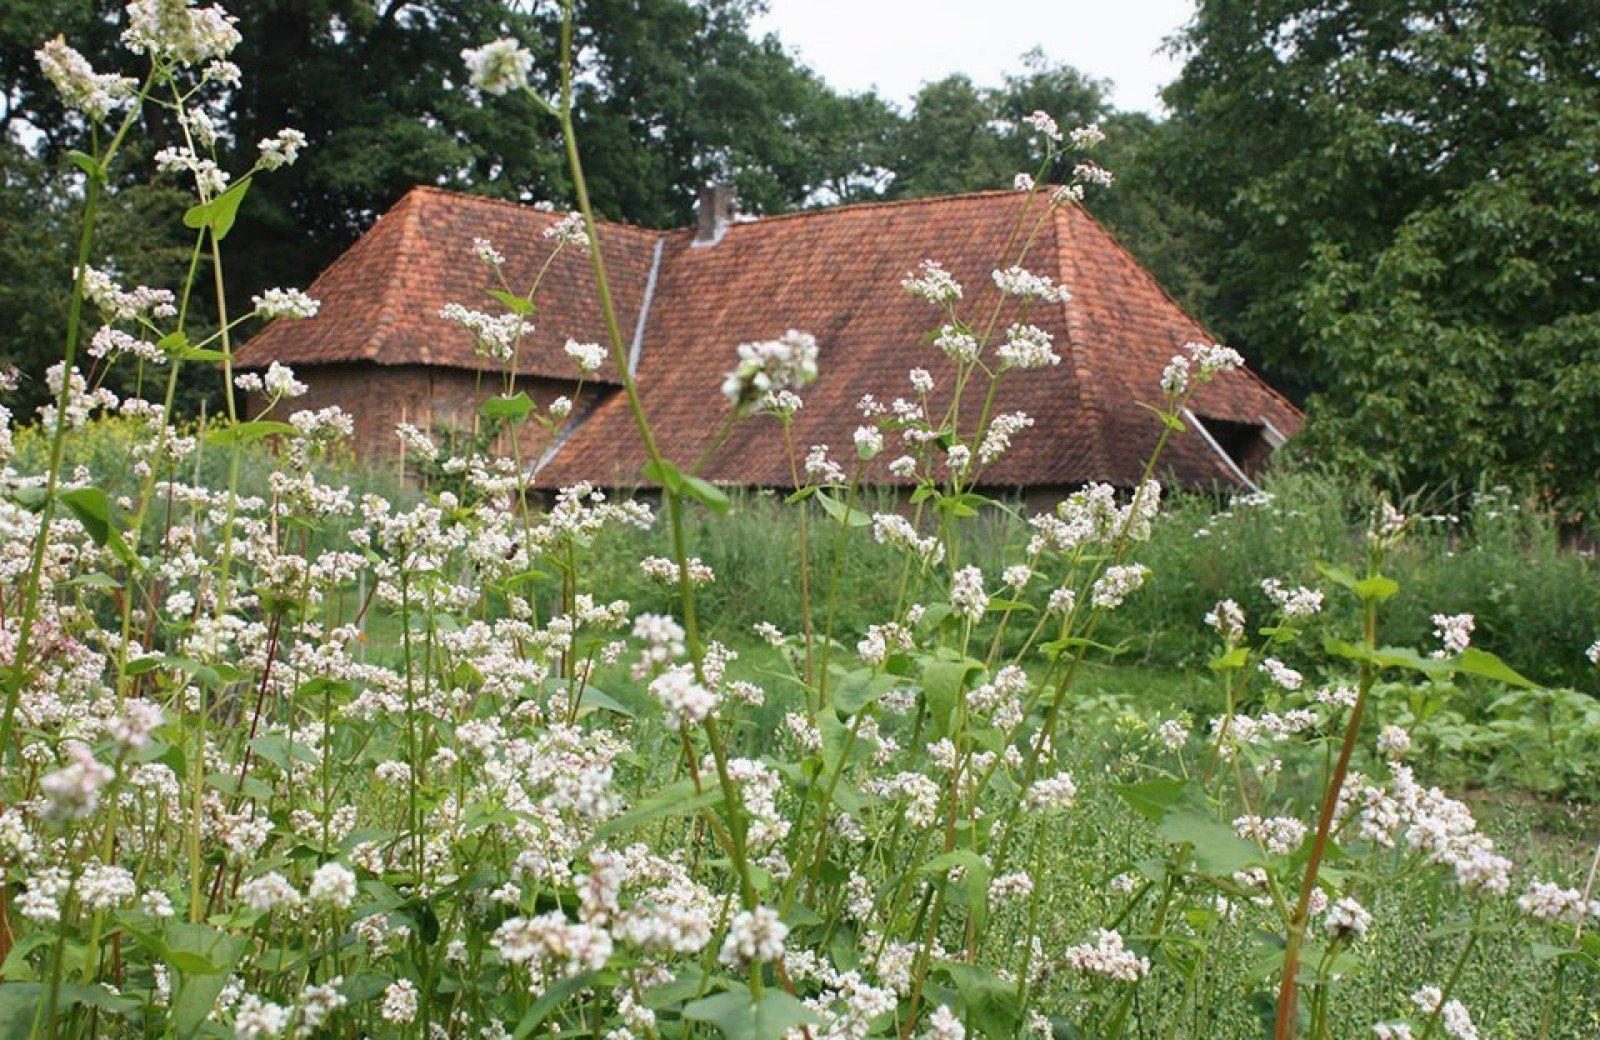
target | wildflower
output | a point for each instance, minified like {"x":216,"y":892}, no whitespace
{"x":255,"y":1019}
{"x":967,"y":595}
{"x":1175,"y":377}
{"x":1027,"y":346}
{"x":268,"y":892}
{"x":1347,"y":919}
{"x":1281,"y":674}
{"x":92,"y":93}
{"x":931,"y":282}
{"x":1093,"y":173}
{"x":1118,"y":581}
{"x":1043,"y":124}
{"x":1454,"y":631}
{"x":494,"y":335}
{"x":1280,"y":834}
{"x":1009,"y":887}
{"x":1392,"y":1031}
{"x":957,"y":344}
{"x":589,"y":356}
{"x":281,"y":149}
{"x":684,"y":701}
{"x":1022,"y":182}
{"x":944,"y":1025}
{"x":1212,"y":358}
{"x":485,"y":251}
{"x":285,"y":303}
{"x":1052,"y":794}
{"x":997,"y":439}
{"x":73,"y":791}
{"x":1108,"y":957}
{"x":1545,"y":901}
{"x":1393,"y":742}
{"x":179,"y":33}
{"x":1018,"y":281}
{"x":786,"y":363}
{"x":754,"y":937}
{"x":334,"y":885}
{"x":1298,"y":602}
{"x":132,"y":728}
{"x":1087,"y":136}
{"x":1173,"y":734}
{"x":1593,"y":653}
{"x":498,"y":67}
{"x":279,"y":382}
{"x":399,"y":1002}
{"x":869,"y":441}
{"x":1227,"y":617}
{"x":570,"y":230}
{"x":1453,"y":1016}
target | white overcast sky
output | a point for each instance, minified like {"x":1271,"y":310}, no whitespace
{"x":897,"y":45}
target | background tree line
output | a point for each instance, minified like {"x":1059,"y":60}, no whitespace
{"x":1391,"y":206}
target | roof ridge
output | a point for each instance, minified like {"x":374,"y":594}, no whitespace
{"x":1151,"y":279}
{"x":856,"y":207}
{"x":525,"y":207}
{"x":1084,"y":376}
{"x":407,"y":213}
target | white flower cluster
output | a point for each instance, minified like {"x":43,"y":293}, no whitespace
{"x":786,"y":363}
{"x":1019,"y":281}
{"x":1109,"y":958}
{"x":494,"y":335}
{"x":94,"y":94}
{"x":1027,"y":347}
{"x":931,"y":282}
{"x":1454,"y":631}
{"x":498,"y":67}
{"x":285,"y":303}
{"x":1116,"y":583}
{"x":1279,"y":834}
{"x":754,"y":937}
{"x":589,"y":356}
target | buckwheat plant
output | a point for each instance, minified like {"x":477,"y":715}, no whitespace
{"x":315,"y":763}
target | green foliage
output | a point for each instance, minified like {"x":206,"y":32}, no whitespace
{"x":1400,"y":210}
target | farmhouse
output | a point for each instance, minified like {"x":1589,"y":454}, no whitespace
{"x":685,"y":300}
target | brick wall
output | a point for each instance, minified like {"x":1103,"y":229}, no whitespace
{"x":380,"y":397}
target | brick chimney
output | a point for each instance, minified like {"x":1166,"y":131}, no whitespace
{"x":713,"y":213}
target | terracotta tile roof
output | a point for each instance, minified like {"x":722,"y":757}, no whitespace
{"x":834,"y":273}
{"x":381,"y":299}
{"x":837,"y":273}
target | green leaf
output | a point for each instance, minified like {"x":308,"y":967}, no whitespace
{"x":974,"y":882}
{"x":741,"y":1018}
{"x":1487,"y":666}
{"x":991,"y":1003}
{"x":1152,"y":798}
{"x":518,"y":304}
{"x":841,"y":512}
{"x":197,"y":992}
{"x":98,"y":516}
{"x":245,"y":432}
{"x":513,"y":409}
{"x":553,"y":997}
{"x":1184,"y":817}
{"x":943,"y":682}
{"x":675,"y":799}
{"x":18,"y":1003}
{"x":220,"y":213}
{"x":665,"y":474}
{"x":706,"y":493}
{"x":88,"y":164}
